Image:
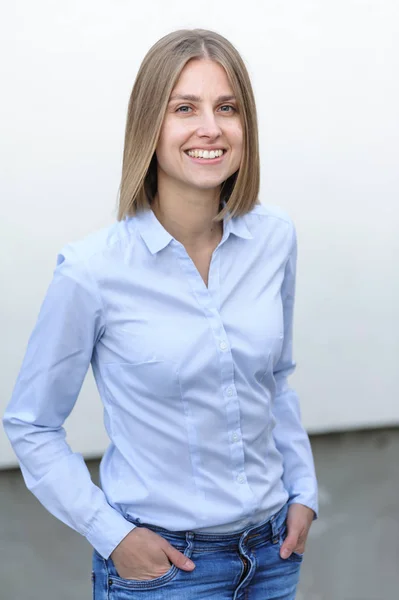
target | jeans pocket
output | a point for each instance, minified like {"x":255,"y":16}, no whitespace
{"x":114,"y":580}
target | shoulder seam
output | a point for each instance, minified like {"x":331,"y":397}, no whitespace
{"x":269,"y":214}
{"x":82,"y":262}
{"x":84,"y":259}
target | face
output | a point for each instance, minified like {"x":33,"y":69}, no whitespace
{"x":202,"y":116}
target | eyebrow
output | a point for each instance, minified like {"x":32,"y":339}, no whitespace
{"x":192,"y":98}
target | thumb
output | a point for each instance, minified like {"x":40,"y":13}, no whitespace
{"x":289,"y":545}
{"x":177,"y":558}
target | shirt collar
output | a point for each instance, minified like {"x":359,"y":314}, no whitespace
{"x":152,"y":232}
{"x":237,"y":226}
{"x":157,"y":238}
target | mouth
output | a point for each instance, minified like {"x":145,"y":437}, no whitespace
{"x":206,"y":156}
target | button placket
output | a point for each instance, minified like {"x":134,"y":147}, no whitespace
{"x":209,"y":299}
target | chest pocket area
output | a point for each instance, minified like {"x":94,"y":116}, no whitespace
{"x":143,"y":384}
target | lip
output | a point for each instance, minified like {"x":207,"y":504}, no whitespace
{"x":206,"y":148}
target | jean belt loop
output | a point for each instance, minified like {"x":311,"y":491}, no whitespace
{"x":190,"y":540}
{"x":275,"y":529}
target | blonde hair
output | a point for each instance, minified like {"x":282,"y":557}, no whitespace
{"x":148,"y":102}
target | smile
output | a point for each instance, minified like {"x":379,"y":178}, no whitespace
{"x":206,"y":156}
{"x":205,"y":153}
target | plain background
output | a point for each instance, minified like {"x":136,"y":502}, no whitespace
{"x":325,"y":76}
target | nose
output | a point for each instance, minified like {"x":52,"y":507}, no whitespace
{"x":208,"y":126}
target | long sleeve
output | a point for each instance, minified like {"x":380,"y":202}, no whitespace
{"x":290,"y":436}
{"x":58,"y":355}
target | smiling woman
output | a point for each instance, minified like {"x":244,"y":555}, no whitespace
{"x":189,"y":138}
{"x":192,"y":85}
{"x":184,"y":309}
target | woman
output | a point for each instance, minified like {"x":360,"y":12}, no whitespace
{"x":184,"y":308}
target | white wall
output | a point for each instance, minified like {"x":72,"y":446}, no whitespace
{"x":326,"y":81}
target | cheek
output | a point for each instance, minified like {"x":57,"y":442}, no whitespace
{"x":237,"y":143}
{"x":165,"y":156}
{"x":236,"y":136}
{"x":169,"y":144}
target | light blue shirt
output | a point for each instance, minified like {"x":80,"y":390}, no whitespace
{"x":205,"y":432}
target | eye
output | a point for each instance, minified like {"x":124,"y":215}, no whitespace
{"x":184,"y":107}
{"x":232,"y":108}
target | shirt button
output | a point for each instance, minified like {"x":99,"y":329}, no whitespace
{"x":223,"y":346}
{"x":230,"y":391}
{"x":235,"y":437}
{"x":241,"y":478}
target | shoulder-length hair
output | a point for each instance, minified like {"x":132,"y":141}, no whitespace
{"x":148,"y":102}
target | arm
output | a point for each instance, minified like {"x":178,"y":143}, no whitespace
{"x":58,"y":355}
{"x":290,"y":437}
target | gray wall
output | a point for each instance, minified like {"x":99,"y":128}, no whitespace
{"x":352,"y":551}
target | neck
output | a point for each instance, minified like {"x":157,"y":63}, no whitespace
{"x":188,"y":216}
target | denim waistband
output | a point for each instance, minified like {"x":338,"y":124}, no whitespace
{"x":268,"y":529}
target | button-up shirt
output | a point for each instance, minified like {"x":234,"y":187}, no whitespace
{"x":205,"y":432}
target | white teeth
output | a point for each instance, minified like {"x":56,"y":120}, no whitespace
{"x":207,"y":154}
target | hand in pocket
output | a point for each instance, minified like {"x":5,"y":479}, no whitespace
{"x":144,"y":555}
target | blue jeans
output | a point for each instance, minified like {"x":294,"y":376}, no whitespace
{"x":235,"y":566}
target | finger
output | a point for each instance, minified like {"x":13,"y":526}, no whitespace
{"x":289,"y":545}
{"x":178,"y":558}
{"x":300,"y":547}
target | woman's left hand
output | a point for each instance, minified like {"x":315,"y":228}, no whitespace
{"x":299,"y":520}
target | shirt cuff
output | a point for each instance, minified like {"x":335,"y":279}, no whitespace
{"x":307,"y":500}
{"x":107,"y":530}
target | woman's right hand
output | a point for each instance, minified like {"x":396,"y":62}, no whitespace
{"x":143,"y":555}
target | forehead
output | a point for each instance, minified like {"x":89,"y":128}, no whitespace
{"x":202,"y":75}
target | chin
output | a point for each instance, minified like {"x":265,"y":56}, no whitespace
{"x":207,"y":184}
